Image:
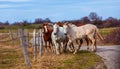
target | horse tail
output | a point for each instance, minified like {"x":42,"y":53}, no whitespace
{"x":98,"y":34}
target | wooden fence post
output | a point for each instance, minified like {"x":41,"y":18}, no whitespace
{"x":34,"y":44}
{"x":26,"y":33}
{"x":41,"y":42}
{"x":24,"y":47}
{"x":11,"y":37}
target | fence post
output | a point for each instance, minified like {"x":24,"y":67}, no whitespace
{"x":26,"y":32}
{"x":34,"y":44}
{"x":11,"y":36}
{"x":24,"y":47}
{"x":41,"y":42}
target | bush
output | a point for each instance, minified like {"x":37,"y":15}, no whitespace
{"x":114,"y":37}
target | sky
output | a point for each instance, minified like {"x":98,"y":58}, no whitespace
{"x":56,"y":10}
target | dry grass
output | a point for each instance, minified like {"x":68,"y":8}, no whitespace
{"x":12,"y":58}
{"x":106,"y":31}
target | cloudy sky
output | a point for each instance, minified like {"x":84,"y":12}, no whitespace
{"x":56,"y":10}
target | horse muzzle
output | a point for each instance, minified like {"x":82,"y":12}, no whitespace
{"x":65,"y":33}
{"x":55,"y":33}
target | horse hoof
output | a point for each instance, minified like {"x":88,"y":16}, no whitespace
{"x":58,"y":53}
{"x":74,"y":53}
{"x":94,"y":51}
{"x":87,"y":48}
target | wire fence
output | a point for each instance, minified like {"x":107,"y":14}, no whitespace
{"x":35,"y":37}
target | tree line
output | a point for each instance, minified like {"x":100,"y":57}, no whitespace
{"x":92,"y":18}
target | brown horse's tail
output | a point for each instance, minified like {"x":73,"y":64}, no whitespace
{"x":98,"y":34}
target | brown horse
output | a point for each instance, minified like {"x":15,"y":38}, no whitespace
{"x":47,"y":30}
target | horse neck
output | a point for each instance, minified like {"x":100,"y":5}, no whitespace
{"x":71,"y":31}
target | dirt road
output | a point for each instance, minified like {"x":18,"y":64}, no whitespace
{"x":110,"y":55}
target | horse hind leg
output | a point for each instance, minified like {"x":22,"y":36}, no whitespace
{"x":80,"y":43}
{"x":87,"y":40}
{"x":93,"y":45}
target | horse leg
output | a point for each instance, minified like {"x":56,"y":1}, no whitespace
{"x":57,"y":48}
{"x":87,"y":40}
{"x":49,"y":45}
{"x":81,"y":42}
{"x":61,"y":47}
{"x":52,"y":46}
{"x":72,"y":47}
{"x":76,"y":48}
{"x":93,"y":45}
{"x":69,"y":45}
{"x":45,"y":46}
{"x":64,"y":46}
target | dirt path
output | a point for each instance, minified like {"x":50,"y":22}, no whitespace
{"x":110,"y":55}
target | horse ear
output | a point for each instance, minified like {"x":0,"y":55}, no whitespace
{"x":66,"y":23}
{"x":58,"y":22}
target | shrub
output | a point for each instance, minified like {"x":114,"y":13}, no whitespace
{"x":114,"y":37}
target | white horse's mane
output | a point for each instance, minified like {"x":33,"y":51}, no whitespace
{"x":71,"y":25}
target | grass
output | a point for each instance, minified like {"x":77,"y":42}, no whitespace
{"x":12,"y":58}
{"x":106,"y":31}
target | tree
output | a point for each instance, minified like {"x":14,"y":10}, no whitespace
{"x":111,"y":22}
{"x":85,"y":20}
{"x":95,"y":19}
{"x":47,"y":20}
{"x":93,"y":16}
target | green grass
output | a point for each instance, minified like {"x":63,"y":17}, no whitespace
{"x":81,"y":60}
{"x":12,"y":58}
{"x":106,"y":31}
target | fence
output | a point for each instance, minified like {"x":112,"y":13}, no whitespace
{"x":22,"y":37}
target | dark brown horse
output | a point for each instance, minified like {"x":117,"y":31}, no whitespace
{"x":47,"y":30}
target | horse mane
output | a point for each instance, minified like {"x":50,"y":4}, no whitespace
{"x":70,"y":24}
{"x":60,"y":24}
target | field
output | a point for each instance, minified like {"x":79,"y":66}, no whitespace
{"x":106,"y":31}
{"x":11,"y":55}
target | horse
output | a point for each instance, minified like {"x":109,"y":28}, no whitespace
{"x":71,"y":48}
{"x":47,"y":31}
{"x":58,"y":38}
{"x":76,"y":33}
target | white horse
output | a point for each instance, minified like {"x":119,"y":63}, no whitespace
{"x":58,"y":38}
{"x":86,"y":31}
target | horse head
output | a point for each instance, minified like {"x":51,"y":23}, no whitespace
{"x":65,"y":27}
{"x":55,"y":29}
{"x":47,"y":27}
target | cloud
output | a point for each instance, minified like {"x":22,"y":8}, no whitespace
{"x":6,"y":6}
{"x":15,"y":0}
